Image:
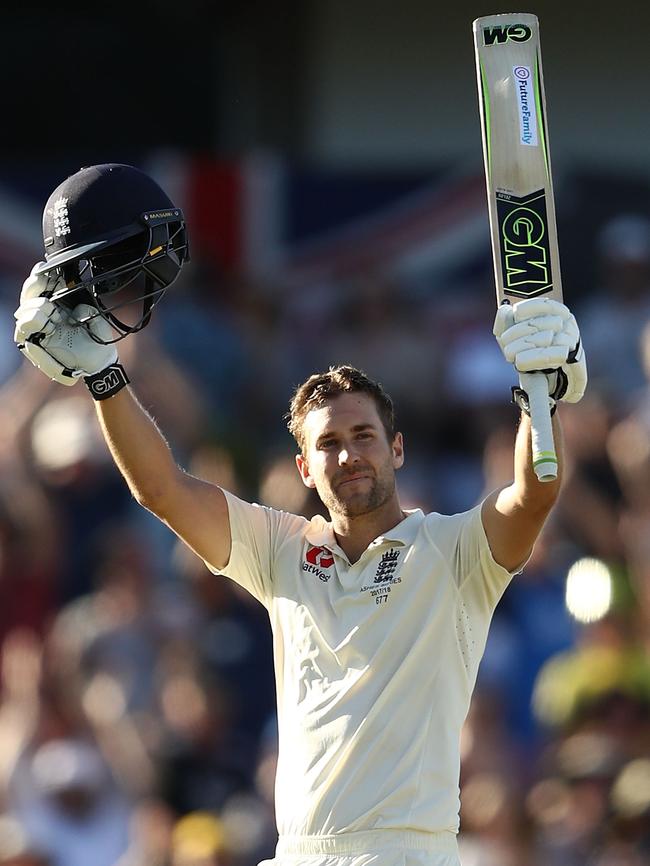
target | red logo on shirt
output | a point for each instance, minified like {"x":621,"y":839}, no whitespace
{"x":319,"y":556}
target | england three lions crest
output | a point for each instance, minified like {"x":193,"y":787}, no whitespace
{"x":387,"y":565}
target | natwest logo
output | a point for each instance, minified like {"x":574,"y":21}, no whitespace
{"x":319,"y":556}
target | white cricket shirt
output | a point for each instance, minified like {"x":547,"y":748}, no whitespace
{"x":375,"y":663}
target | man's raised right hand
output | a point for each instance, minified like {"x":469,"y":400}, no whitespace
{"x":52,"y":337}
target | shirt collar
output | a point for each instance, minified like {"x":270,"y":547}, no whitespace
{"x":321,"y":534}
{"x":405,"y":531}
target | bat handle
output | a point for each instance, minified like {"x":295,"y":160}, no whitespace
{"x":543,"y":446}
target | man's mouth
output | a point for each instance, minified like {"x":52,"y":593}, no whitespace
{"x":349,"y":479}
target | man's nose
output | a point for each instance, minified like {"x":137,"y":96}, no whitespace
{"x":347,"y":455}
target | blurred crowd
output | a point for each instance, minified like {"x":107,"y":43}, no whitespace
{"x":137,"y":721}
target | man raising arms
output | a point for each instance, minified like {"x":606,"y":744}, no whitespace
{"x":379,"y":615}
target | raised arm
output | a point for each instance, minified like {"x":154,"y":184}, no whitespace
{"x":535,"y":335}
{"x":514,"y":516}
{"x":194,"y":509}
{"x":54,"y":339}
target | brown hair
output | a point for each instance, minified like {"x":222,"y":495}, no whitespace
{"x":337,"y":380}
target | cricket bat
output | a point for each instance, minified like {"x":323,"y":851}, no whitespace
{"x":519,"y":187}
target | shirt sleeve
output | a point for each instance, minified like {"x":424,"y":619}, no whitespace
{"x":462,"y":540}
{"x":257,"y":533}
{"x":479,"y":580}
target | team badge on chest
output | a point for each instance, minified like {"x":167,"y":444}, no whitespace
{"x":384,"y":577}
{"x":387,"y":566}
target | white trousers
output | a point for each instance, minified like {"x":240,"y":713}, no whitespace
{"x":372,"y":848}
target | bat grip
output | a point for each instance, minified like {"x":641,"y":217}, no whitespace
{"x":543,"y":446}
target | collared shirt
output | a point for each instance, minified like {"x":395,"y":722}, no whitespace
{"x":375,"y":662}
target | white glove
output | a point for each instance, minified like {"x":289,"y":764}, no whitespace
{"x":52,"y":338}
{"x":540,"y":334}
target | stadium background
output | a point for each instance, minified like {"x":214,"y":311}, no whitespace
{"x":327,"y":155}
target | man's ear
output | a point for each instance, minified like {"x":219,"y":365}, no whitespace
{"x":398,"y":451}
{"x":303,"y":468}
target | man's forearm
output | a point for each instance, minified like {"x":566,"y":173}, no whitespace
{"x":139,"y":449}
{"x":514,"y":515}
{"x":527,"y":488}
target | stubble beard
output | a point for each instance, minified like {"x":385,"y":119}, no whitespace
{"x":381,"y":491}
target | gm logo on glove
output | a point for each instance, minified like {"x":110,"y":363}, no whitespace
{"x":107,"y":382}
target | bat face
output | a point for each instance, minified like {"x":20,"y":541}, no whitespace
{"x":517,"y":162}
{"x":519,"y":187}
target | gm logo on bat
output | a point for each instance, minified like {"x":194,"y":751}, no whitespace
{"x":509,"y":33}
{"x":525,"y":252}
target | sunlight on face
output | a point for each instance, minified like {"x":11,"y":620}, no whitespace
{"x":348,"y":458}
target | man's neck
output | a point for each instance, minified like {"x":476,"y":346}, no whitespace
{"x":354,"y":534}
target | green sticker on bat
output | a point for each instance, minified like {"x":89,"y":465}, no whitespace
{"x":524,"y":243}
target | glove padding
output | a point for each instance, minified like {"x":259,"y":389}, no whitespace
{"x":541,"y":335}
{"x":52,"y":338}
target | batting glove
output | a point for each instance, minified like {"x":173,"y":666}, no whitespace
{"x":541,"y":335}
{"x":53,"y":339}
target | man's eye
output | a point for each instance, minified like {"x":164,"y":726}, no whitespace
{"x":364,"y":435}
{"x":327,"y":443}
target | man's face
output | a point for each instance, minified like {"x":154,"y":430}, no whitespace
{"x":348,"y":458}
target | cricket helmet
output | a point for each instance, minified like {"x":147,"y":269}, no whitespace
{"x":115,"y":241}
